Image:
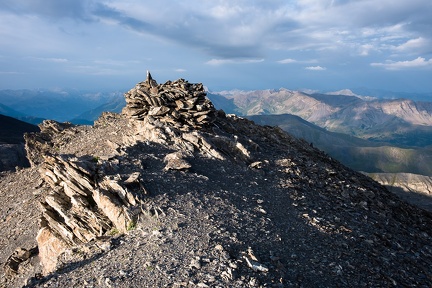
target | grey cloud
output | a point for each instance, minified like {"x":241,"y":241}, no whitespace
{"x":251,"y":29}
{"x":104,"y":11}
{"x":203,"y":35}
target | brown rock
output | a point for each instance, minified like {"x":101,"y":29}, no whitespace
{"x":50,"y":247}
{"x":176,"y":161}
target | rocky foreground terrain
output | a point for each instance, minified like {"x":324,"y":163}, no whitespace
{"x":172,"y":193}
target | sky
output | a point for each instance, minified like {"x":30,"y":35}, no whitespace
{"x":324,"y":45}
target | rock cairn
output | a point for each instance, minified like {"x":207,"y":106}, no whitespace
{"x":179,"y":103}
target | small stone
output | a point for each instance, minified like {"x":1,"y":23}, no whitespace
{"x":195,"y":263}
{"x":175,"y":161}
{"x":133,"y":178}
{"x":256,"y":165}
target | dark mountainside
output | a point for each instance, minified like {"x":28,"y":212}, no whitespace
{"x":12,"y":130}
{"x":7,"y":111}
{"x":12,"y":151}
{"x":173,"y":193}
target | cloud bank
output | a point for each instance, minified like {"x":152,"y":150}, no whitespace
{"x":101,"y":36}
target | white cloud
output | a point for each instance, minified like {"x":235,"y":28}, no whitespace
{"x":419,"y":62}
{"x":290,"y":61}
{"x":217,"y":62}
{"x":365,"y":49}
{"x":315,"y":68}
{"x":180,"y":70}
{"x":54,"y":60}
{"x":419,"y":44}
{"x":225,"y":12}
{"x":287,"y":61}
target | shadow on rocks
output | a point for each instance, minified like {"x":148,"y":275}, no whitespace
{"x":101,"y":248}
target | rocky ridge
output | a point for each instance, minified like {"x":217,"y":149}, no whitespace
{"x":174,"y":193}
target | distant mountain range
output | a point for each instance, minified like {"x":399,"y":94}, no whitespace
{"x":354,"y":152}
{"x":88,"y":117}
{"x":385,"y":94}
{"x":60,"y":105}
{"x":401,"y":122}
{"x":394,"y":135}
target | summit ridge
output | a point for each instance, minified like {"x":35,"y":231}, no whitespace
{"x":174,"y":193}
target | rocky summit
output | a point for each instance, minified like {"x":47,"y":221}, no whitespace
{"x":173,"y":193}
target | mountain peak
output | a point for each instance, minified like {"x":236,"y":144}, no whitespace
{"x":345,"y":92}
{"x":172,"y":192}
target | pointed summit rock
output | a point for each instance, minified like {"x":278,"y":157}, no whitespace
{"x":150,"y":81}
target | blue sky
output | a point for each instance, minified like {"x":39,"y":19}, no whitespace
{"x":231,"y":44}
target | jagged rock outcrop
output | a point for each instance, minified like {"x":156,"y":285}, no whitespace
{"x":86,"y":202}
{"x":38,"y":144}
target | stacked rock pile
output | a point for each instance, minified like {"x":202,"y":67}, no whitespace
{"x":179,"y":102}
